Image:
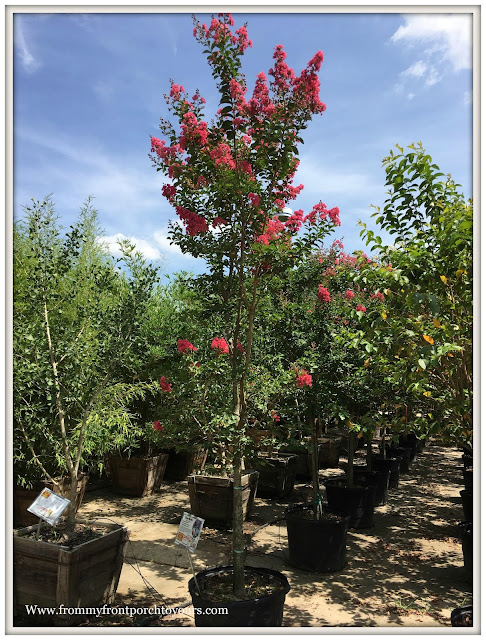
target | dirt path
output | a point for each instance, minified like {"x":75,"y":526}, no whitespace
{"x":405,"y":571}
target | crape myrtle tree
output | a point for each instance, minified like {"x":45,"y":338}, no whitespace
{"x":76,"y":345}
{"x":229,"y":180}
{"x":429,"y":327}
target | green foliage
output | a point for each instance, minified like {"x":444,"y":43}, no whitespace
{"x":77,"y":343}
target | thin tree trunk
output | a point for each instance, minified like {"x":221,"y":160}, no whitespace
{"x":351,"y":449}
{"x":316,"y":494}
{"x":369,"y":455}
{"x":238,"y":537}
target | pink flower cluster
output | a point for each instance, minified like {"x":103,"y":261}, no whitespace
{"x":321,"y":210}
{"x":378,"y":295}
{"x":283,"y":75}
{"x":158,"y":426}
{"x":194,"y":224}
{"x":349,"y":295}
{"x":323,"y":294}
{"x":222,"y":155}
{"x":303,"y":378}
{"x":169,"y":191}
{"x":306,"y":86}
{"x":193,"y":132}
{"x":165,"y":385}
{"x":272,"y":231}
{"x":220,"y":345}
{"x":184,"y":346}
{"x":360,"y":307}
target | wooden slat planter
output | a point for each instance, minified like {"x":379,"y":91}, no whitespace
{"x":212,"y":498}
{"x":49,"y":575}
{"x":23,"y":498}
{"x":277,"y":474}
{"x":182,"y":463}
{"x":329,"y":451}
{"x":137,"y":476}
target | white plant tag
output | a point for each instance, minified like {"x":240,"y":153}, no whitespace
{"x":189,"y":531}
{"x":49,"y":506}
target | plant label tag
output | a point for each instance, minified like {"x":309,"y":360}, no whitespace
{"x":189,"y":531}
{"x":49,"y":506}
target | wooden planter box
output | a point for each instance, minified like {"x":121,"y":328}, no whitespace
{"x":49,"y":575}
{"x":212,"y":498}
{"x":329,"y":447}
{"x":277,"y":474}
{"x":183,"y":463}
{"x":23,"y":498}
{"x":137,"y":476}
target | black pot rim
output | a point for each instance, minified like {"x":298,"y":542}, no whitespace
{"x":229,"y":569}
{"x":293,"y":512}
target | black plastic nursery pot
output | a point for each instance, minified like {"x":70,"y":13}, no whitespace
{"x":467,"y":460}
{"x":409,"y":442}
{"x":466,"y":528}
{"x":378,"y":478}
{"x":317,"y":545}
{"x":462,"y":616}
{"x":389,"y":464}
{"x":468,"y":478}
{"x":467,"y":504}
{"x":403,"y":453}
{"x":358,"y":501}
{"x":265,"y":611}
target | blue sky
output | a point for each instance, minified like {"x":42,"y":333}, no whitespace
{"x":88,"y":94}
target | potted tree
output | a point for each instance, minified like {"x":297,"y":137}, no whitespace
{"x":229,"y":181}
{"x":73,"y":331}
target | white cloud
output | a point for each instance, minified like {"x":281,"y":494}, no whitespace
{"x":29,"y":63}
{"x":416,"y":70}
{"x":444,"y":43}
{"x":145,"y":248}
{"x":447,"y":37}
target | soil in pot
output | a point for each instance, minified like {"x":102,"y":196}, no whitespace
{"x":388,"y":464}
{"x":462,"y":616}
{"x":466,"y":528}
{"x":317,"y":545}
{"x":467,"y":504}
{"x":358,"y":501}
{"x":277,"y":474}
{"x":264,"y":598}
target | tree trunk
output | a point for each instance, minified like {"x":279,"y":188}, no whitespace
{"x":316,"y":494}
{"x":238,"y":537}
{"x":369,"y":455}
{"x":351,"y":448}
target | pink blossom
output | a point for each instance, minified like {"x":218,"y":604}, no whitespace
{"x":378,"y":295}
{"x":360,"y":307}
{"x":158,"y":426}
{"x":349,"y":294}
{"x":323,"y":294}
{"x":303,"y":378}
{"x":220,"y":345}
{"x":184,"y":346}
{"x":165,"y":385}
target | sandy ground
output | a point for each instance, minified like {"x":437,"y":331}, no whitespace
{"x":406,"y":571}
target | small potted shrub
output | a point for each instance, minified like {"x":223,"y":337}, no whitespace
{"x":75,"y":337}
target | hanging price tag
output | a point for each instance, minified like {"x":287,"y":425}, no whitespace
{"x":189,"y":531}
{"x":49,"y":506}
